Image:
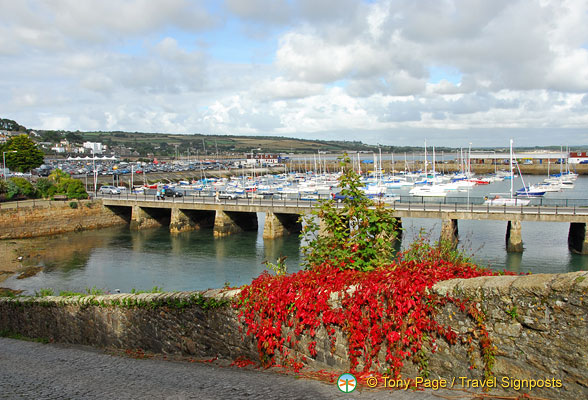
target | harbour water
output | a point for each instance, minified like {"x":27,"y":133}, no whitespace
{"x":117,"y":258}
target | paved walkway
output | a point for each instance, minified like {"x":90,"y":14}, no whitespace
{"x":50,"y":371}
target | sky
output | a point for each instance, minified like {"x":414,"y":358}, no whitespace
{"x":393,"y":72}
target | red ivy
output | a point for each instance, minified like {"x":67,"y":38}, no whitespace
{"x":387,"y":308}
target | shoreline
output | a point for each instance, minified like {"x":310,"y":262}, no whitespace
{"x":9,"y":253}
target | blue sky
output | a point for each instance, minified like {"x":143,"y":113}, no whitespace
{"x":381,"y":71}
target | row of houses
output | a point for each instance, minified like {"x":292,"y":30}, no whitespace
{"x":64,"y":146}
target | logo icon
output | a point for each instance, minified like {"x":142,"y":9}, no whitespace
{"x":347,"y":383}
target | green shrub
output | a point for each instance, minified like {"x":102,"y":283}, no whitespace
{"x":359,"y":235}
{"x":17,"y":187}
{"x":76,"y":190}
{"x":43,"y":186}
{"x":72,"y":188}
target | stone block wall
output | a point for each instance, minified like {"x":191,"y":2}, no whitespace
{"x":167,"y":323}
{"x":538,"y":324}
{"x":58,"y":217}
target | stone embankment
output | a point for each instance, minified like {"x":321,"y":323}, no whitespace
{"x":538,"y":324}
{"x":55,"y":217}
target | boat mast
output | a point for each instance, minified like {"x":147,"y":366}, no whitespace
{"x":380,"y":149}
{"x":433,"y":162}
{"x":425,"y":159}
{"x":392,"y":167}
{"x":470,"y":161}
{"x":511,"y":169}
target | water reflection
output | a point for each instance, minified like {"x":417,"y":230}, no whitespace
{"x":514,"y":262}
{"x":118,"y":258}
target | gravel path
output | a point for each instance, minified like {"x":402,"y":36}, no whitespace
{"x":31,"y":370}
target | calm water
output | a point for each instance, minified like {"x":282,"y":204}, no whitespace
{"x":117,"y":258}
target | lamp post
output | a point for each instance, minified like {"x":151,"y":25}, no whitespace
{"x":4,"y":162}
{"x":94,"y":172}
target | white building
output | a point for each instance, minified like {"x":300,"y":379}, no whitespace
{"x":96,"y":147}
{"x":263,"y":159}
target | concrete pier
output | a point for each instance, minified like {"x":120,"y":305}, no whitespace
{"x":578,"y":238}
{"x":229,"y":222}
{"x":449,"y":232}
{"x":277,"y":225}
{"x":189,"y":220}
{"x":514,"y":238}
{"x":145,"y":218}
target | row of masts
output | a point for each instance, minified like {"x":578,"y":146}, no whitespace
{"x":320,"y":165}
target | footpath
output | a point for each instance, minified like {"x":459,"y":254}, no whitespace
{"x":31,"y":370}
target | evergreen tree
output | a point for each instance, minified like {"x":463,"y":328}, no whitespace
{"x":27,"y":155}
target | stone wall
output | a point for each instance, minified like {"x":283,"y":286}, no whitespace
{"x":57,"y":217}
{"x":169,"y":323}
{"x":538,"y":324}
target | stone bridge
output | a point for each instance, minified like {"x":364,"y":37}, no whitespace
{"x":228,"y":216}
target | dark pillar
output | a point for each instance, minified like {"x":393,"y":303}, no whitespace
{"x":398,"y":228}
{"x":577,"y":238}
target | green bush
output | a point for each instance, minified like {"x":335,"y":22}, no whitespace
{"x":43,"y":186}
{"x":76,"y":190}
{"x":72,"y":188}
{"x":20,"y":187}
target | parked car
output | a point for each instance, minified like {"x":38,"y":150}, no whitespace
{"x":172,"y":192}
{"x":230,"y":196}
{"x":109,"y":190}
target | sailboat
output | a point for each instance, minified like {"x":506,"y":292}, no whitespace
{"x":499,"y":200}
{"x":430,"y":188}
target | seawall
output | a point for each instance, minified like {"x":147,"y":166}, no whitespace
{"x":538,"y":324}
{"x":55,"y":217}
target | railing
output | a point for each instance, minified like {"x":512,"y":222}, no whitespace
{"x":455,"y":204}
{"x":28,"y":203}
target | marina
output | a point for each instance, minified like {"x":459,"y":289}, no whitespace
{"x":123,"y":259}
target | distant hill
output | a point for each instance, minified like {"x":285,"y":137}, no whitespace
{"x":166,"y":144}
{"x":10,"y":125}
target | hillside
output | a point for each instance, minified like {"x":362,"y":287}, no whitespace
{"x":165,"y":144}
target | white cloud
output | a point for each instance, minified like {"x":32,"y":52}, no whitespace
{"x":279,"y":89}
{"x":339,"y":67}
{"x":55,"y":122}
